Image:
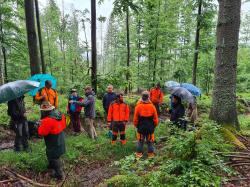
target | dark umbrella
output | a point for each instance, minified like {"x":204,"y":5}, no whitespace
{"x":13,"y":90}
{"x":183,"y":93}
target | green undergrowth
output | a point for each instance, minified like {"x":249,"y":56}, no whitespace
{"x":185,"y":159}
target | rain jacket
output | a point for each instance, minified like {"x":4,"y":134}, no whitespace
{"x":74,"y":107}
{"x":145,"y":117}
{"x":89,"y":105}
{"x":52,"y":128}
{"x":108,"y":98}
{"x":51,"y":96}
{"x":16,"y":109}
{"x":118,"y":112}
{"x":177,"y":112}
{"x":156,"y":95}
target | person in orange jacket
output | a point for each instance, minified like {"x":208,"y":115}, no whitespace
{"x":145,"y":120}
{"x":52,"y":127}
{"x":118,"y":116}
{"x":156,"y":97}
{"x":47,"y":94}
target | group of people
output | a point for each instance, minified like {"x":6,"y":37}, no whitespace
{"x":52,"y":123}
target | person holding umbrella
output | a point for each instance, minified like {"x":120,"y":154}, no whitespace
{"x":19,"y":123}
{"x":47,"y":94}
{"x":177,"y":111}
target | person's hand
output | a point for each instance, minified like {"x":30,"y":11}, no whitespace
{"x":167,"y":110}
{"x":71,"y":101}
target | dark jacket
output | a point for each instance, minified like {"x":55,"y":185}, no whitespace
{"x":16,"y":109}
{"x":177,"y":112}
{"x":108,"y":98}
{"x":52,"y":128}
{"x":89,"y":105}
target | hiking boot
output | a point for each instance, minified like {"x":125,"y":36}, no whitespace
{"x":151,"y":155}
{"x":123,"y":142}
{"x":138,"y":155}
{"x":113,"y":142}
{"x":58,"y":172}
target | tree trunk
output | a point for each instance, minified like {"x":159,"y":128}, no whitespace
{"x":224,"y":92}
{"x":40,"y":36}
{"x":31,"y":37}
{"x":197,"y":42}
{"x":49,"y":52}
{"x":93,"y":46}
{"x":138,"y":52}
{"x":87,"y":44}
{"x":3,"y":49}
{"x":128,"y":88}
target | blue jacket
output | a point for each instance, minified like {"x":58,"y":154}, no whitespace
{"x":108,"y":98}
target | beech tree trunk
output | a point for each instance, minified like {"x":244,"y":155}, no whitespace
{"x":128,"y":87}
{"x":31,"y":37}
{"x":197,"y":42}
{"x":224,"y":109}
{"x":93,"y":46}
{"x":40,"y":36}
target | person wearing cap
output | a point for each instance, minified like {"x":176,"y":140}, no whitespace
{"x":118,"y":115}
{"x":52,"y":127}
{"x":156,"y":96}
{"x":47,"y":94}
{"x":74,"y":110}
{"x":19,"y":123}
{"x":145,"y":120}
{"x":89,"y":111}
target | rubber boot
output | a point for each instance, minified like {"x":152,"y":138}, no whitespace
{"x":59,"y":175}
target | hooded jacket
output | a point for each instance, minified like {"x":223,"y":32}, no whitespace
{"x":16,"y":109}
{"x":156,"y":95}
{"x":118,"y":112}
{"x":89,"y":105}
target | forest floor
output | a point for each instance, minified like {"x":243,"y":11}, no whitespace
{"x":89,"y":163}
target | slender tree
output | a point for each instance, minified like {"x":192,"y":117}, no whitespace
{"x":31,"y":37}
{"x":197,"y":41}
{"x":224,"y":92}
{"x":40,"y":36}
{"x":102,"y":20}
{"x":93,"y":46}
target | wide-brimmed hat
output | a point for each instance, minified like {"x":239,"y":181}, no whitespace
{"x":46,"y":106}
{"x":73,"y":90}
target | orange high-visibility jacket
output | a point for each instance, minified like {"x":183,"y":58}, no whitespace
{"x":118,"y":112}
{"x":50,"y":96}
{"x":145,"y":109}
{"x":51,"y":126}
{"x":156,"y":95}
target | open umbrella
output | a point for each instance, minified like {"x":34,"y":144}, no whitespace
{"x":192,"y":88}
{"x":183,"y":93}
{"x":13,"y":90}
{"x":170,"y":84}
{"x":42,"y":78}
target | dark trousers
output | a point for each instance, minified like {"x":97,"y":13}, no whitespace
{"x":75,"y":121}
{"x":157,"y":106}
{"x":149,"y":140}
{"x":56,"y":165}
{"x":118,"y":127}
{"x":22,"y":134}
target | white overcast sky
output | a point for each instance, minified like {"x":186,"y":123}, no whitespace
{"x":103,"y":9}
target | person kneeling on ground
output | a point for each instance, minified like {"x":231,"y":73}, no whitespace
{"x":118,"y":115}
{"x":51,"y":128}
{"x":145,"y":120}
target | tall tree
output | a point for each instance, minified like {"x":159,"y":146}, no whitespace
{"x":93,"y":46}
{"x":40,"y":36}
{"x":102,"y":20}
{"x":197,"y":41}
{"x":32,"y":37}
{"x":224,"y":92}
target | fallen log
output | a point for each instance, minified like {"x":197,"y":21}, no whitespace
{"x":28,"y":180}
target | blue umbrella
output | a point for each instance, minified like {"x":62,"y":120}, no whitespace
{"x":42,"y":78}
{"x":13,"y":90}
{"x":191,"y":88}
{"x":170,"y":84}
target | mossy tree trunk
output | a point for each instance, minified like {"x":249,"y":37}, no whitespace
{"x":224,"y":92}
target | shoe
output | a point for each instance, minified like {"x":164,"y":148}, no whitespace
{"x":138,"y":155}
{"x":113,"y":142}
{"x":123,"y":142}
{"x":151,"y":155}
